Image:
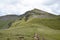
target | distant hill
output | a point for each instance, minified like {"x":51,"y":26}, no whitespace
{"x":6,"y":21}
{"x":47,"y":25}
{"x":8,"y":17}
{"x":36,"y":13}
{"x":43,"y":17}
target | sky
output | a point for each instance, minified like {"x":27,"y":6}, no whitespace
{"x":21,"y":6}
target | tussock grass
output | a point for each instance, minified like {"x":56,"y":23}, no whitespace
{"x":34,"y":25}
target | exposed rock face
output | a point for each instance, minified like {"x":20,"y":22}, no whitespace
{"x":36,"y":36}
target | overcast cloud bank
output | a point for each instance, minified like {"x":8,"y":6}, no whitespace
{"x":20,"y":6}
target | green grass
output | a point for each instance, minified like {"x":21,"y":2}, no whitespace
{"x":52,"y":23}
{"x":33,"y":25}
{"x":5,"y":24}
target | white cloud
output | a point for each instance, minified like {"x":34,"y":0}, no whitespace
{"x":21,"y":6}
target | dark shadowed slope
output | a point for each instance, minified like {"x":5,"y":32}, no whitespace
{"x":7,"y":20}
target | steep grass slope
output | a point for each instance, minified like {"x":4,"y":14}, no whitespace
{"x":4,"y":24}
{"x":7,"y":20}
{"x":34,"y":21}
{"x":28,"y":28}
{"x":52,"y":23}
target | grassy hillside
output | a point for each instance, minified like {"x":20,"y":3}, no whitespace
{"x":28,"y":28}
{"x":52,"y":23}
{"x":7,"y":20}
{"x":5,"y":24}
{"x":34,"y":21}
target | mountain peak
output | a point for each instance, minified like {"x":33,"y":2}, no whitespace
{"x":36,"y":13}
{"x":35,"y":9}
